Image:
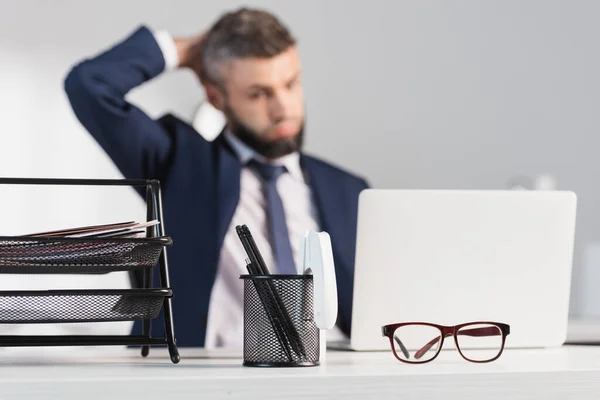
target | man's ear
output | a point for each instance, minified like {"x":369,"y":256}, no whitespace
{"x":215,"y":96}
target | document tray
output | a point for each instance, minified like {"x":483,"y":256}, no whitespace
{"x":57,"y":306}
{"x":78,"y":255}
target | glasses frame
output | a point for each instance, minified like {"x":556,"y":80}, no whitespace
{"x":445,"y":331}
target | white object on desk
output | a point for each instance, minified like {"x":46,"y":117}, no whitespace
{"x":452,"y":256}
{"x":316,"y":258}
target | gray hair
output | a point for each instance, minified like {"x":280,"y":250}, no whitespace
{"x":244,"y":33}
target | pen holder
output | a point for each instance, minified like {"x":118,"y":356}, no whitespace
{"x":279,"y":326}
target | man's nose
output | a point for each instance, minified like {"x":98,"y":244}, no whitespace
{"x":280,"y":107}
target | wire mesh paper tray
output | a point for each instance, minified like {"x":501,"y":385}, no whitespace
{"x":78,"y":255}
{"x":62,"y":255}
{"x":57,"y":306}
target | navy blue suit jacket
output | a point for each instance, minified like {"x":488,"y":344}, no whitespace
{"x":200,"y":180}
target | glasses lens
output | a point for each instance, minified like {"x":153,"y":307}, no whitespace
{"x":479,"y":342}
{"x":416,"y":343}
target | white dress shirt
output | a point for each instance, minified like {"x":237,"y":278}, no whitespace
{"x":225,"y":315}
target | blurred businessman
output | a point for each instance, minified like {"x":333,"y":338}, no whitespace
{"x":254,"y":173}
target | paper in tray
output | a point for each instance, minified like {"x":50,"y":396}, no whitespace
{"x":106,"y":230}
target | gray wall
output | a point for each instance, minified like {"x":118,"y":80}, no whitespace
{"x":412,"y":94}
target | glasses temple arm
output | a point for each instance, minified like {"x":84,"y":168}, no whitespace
{"x":402,"y":347}
{"x":426,"y":348}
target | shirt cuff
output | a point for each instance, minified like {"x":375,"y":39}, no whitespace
{"x":169,"y":50}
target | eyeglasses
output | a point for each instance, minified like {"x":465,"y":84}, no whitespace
{"x":421,"y":342}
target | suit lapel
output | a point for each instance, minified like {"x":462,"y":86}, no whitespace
{"x":325,"y":199}
{"x":228,"y":187}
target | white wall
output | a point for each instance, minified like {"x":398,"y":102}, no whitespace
{"x":413,"y":94}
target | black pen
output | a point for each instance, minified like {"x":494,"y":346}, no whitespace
{"x":248,"y":248}
{"x":292,"y":332}
{"x":262,"y":265}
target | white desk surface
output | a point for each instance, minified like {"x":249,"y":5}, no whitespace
{"x":118,"y":373}
{"x":561,"y":373}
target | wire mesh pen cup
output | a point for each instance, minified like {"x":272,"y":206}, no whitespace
{"x":279,"y":326}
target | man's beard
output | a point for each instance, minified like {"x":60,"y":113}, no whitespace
{"x":267,"y":148}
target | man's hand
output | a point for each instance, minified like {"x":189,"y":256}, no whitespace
{"x":189,"y":51}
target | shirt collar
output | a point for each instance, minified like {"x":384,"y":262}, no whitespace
{"x":245,"y":153}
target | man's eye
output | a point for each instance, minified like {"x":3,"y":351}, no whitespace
{"x":255,"y":95}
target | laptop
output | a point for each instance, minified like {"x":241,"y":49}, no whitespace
{"x":454,"y":256}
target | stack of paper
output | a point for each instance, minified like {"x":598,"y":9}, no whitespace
{"x":129,"y":229}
